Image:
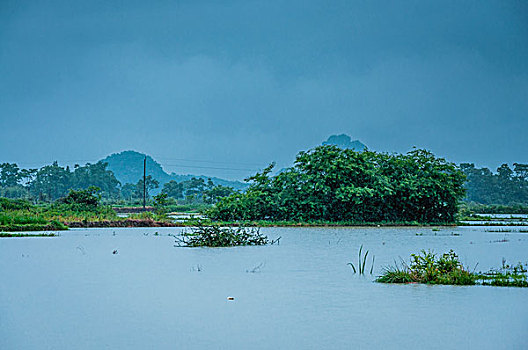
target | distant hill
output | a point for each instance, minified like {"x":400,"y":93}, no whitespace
{"x":127,"y":167}
{"x":345,"y":142}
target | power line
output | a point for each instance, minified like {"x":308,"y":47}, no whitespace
{"x":91,"y":161}
{"x":209,"y":167}
{"x":207,"y":161}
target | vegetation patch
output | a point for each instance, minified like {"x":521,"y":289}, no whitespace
{"x":448,"y":270}
{"x":207,"y":234}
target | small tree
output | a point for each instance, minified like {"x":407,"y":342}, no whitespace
{"x":160,"y":202}
{"x":83,"y":200}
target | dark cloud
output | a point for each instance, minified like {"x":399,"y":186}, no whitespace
{"x":247,"y":83}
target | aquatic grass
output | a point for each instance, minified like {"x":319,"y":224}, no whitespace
{"x":362,"y":260}
{"x":396,"y":274}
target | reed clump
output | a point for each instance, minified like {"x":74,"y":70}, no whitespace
{"x":362,"y":261}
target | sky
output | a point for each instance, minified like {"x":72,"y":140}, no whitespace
{"x":223,"y":88}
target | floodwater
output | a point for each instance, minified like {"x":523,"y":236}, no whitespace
{"x":72,"y":292}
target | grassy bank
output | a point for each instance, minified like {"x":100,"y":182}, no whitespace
{"x":17,"y":215}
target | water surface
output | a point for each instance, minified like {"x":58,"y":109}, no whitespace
{"x":72,"y":292}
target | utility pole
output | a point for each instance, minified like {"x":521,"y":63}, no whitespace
{"x":144,"y":183}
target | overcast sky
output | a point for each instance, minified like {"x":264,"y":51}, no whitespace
{"x":201,"y":85}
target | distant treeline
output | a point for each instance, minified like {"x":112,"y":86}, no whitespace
{"x":53,"y":182}
{"x":508,"y":186}
{"x":333,"y":184}
{"x":505,"y":187}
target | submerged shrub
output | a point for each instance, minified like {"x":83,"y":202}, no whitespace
{"x":213,"y":235}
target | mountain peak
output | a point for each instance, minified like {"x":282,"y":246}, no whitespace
{"x":344,"y":141}
{"x":128,"y":167}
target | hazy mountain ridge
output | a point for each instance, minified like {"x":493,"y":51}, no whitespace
{"x":127,"y":167}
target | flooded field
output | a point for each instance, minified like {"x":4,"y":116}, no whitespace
{"x":132,"y":289}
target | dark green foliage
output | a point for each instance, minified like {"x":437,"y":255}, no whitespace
{"x":17,"y":191}
{"x":196,"y":190}
{"x":82,"y":200}
{"x":151,"y":184}
{"x":213,"y":235}
{"x":160,"y":203}
{"x":505,"y":187}
{"x":96,"y":175}
{"x":331,"y":184}
{"x":51,"y":182}
{"x":173,"y":189}
{"x":216,"y":193}
{"x":9,"y":175}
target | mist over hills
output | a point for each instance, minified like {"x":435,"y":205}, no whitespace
{"x":127,"y":166}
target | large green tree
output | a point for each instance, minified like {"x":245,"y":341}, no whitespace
{"x":96,"y":175}
{"x":332,"y":184}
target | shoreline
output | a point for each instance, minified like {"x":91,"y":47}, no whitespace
{"x":146,"y":223}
